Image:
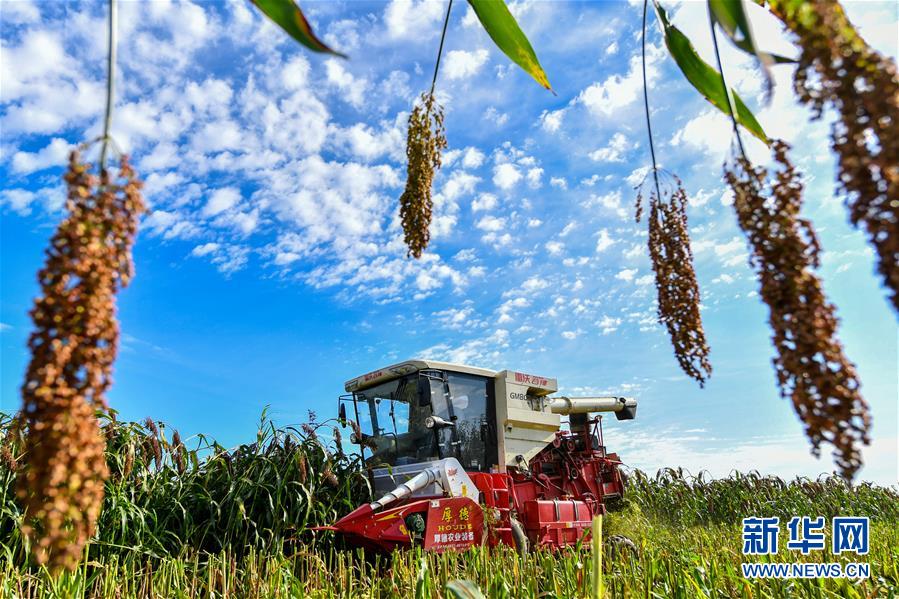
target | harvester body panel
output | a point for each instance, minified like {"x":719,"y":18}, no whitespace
{"x":475,"y":455}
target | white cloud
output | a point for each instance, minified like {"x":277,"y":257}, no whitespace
{"x":205,"y":249}
{"x":605,"y":241}
{"x":485,"y":201}
{"x":353,"y":89}
{"x":558,"y":182}
{"x":506,"y":175}
{"x":554,"y":247}
{"x":709,"y":131}
{"x":19,"y":200}
{"x":610,"y":201}
{"x":461,"y":64}
{"x":617,"y":91}
{"x":491,"y":223}
{"x":408,"y":19}
{"x":221,"y":200}
{"x":613,"y":152}
{"x":626,"y":274}
{"x":551,"y":121}
{"x":608,"y":324}
{"x":492,"y":114}
{"x":169,"y":225}
{"x":53,"y":154}
{"x":534,"y":177}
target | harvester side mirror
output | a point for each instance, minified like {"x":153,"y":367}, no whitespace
{"x":424,"y":391}
{"x":341,"y":414}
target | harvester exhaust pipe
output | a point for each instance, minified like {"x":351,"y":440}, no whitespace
{"x":625,"y":408}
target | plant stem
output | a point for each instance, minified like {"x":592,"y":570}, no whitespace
{"x":652,"y":149}
{"x":440,"y":50}
{"x":110,"y":81}
{"x":730,"y":100}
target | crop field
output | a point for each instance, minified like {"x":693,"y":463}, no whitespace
{"x":202,"y":521}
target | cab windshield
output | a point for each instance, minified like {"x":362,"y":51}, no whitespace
{"x":394,"y":414}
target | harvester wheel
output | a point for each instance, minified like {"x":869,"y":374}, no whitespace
{"x":522,"y":544}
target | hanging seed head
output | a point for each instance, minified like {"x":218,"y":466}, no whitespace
{"x":129,"y":461}
{"x":301,"y":467}
{"x":73,"y":347}
{"x":811,"y":367}
{"x":178,"y":452}
{"x":838,"y":69}
{"x":329,"y":478}
{"x":338,"y":441}
{"x":676,"y":285}
{"x":153,"y":442}
{"x":309,"y":430}
{"x":425,"y":142}
{"x":7,"y":459}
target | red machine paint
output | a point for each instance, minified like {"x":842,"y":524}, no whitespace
{"x":554,"y":500}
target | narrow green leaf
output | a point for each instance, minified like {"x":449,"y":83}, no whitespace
{"x":732,"y":16}
{"x":288,"y":16}
{"x":463,"y":589}
{"x":503,"y":29}
{"x":705,"y":78}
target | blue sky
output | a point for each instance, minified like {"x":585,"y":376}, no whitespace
{"x":271,"y":268}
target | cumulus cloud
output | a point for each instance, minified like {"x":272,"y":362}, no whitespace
{"x":626,"y":274}
{"x":221,"y":200}
{"x":411,"y":19}
{"x":613,"y":152}
{"x":551,"y":121}
{"x":506,"y":175}
{"x":462,"y":64}
{"x":53,"y":154}
{"x":617,"y":92}
{"x":605,"y":241}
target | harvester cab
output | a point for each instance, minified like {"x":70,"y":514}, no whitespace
{"x":459,"y":455}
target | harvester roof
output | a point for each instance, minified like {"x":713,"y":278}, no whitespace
{"x":388,"y":373}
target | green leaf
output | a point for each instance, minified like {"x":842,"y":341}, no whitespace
{"x":503,"y":29}
{"x":288,"y":16}
{"x":704,"y":77}
{"x":732,"y":17}
{"x":463,"y":589}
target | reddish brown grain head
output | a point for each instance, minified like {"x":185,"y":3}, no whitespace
{"x":811,"y":367}
{"x":676,"y":285}
{"x":425,"y":143}
{"x":838,"y":69}
{"x":73,"y":347}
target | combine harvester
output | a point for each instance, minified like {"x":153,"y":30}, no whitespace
{"x":463,"y":456}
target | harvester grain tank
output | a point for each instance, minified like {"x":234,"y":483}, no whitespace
{"x":461,"y":456}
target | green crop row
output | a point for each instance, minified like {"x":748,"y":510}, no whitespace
{"x":194,"y":519}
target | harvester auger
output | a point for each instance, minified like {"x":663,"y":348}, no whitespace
{"x":462,"y":456}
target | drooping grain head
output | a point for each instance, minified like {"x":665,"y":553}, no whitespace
{"x":178,"y":452}
{"x":425,"y":143}
{"x":73,"y":347}
{"x":676,"y":285}
{"x":838,"y":69}
{"x":811,"y":367}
